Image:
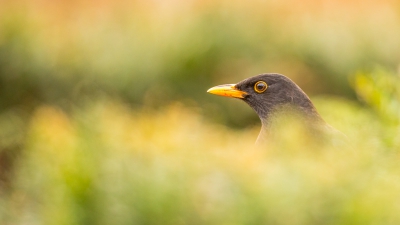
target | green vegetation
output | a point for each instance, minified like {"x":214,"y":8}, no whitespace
{"x":105,"y":119}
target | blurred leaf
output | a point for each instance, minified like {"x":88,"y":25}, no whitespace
{"x":105,"y":119}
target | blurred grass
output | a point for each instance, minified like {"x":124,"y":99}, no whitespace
{"x":109,"y":164}
{"x":59,"y":52}
{"x":104,"y":117}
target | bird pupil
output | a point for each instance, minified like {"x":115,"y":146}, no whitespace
{"x":260,"y":87}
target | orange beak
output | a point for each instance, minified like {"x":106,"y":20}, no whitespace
{"x":227,"y":90}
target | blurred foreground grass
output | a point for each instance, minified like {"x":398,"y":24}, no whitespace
{"x":104,"y":117}
{"x":106,"y":163}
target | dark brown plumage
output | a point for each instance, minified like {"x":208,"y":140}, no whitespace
{"x":270,"y":95}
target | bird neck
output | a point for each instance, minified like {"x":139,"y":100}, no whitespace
{"x":282,"y":114}
{"x":285,"y":117}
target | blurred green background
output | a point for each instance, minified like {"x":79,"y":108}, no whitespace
{"x":105,"y":119}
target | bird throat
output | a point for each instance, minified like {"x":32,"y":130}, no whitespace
{"x":279,"y":119}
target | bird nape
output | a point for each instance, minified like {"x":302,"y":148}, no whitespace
{"x":272,"y":95}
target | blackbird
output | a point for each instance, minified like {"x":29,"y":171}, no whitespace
{"x":273,"y":94}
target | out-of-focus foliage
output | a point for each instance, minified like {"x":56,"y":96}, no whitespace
{"x":380,"y":90}
{"x":104,"y":118}
{"x":108,"y":164}
{"x":58,"y":52}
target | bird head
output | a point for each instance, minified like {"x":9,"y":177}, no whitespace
{"x":267,"y":94}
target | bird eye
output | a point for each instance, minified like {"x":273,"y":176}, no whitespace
{"x":260,"y":86}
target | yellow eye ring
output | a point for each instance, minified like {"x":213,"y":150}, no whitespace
{"x":260,"y":86}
